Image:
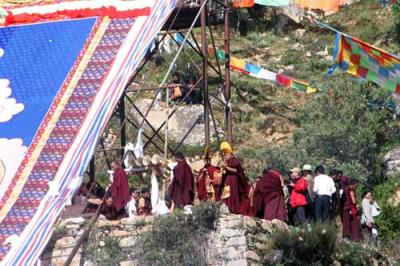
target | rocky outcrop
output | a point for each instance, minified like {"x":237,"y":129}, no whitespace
{"x":391,"y":162}
{"x":179,"y":124}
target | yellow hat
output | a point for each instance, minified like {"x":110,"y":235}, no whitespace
{"x":226,"y":147}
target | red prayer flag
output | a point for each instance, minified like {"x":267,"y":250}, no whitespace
{"x":283,"y":80}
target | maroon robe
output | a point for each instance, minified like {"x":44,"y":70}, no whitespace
{"x":120,"y":189}
{"x":257,"y":203}
{"x":111,"y":213}
{"x":239,"y":187}
{"x":202,"y":187}
{"x":350,"y":217}
{"x":269,"y":199}
{"x":181,"y":189}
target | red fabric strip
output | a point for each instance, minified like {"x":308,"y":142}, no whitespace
{"x":83,"y":13}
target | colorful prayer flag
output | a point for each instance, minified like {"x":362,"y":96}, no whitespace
{"x":366,"y":61}
{"x":260,"y":73}
{"x":272,"y":2}
{"x":327,"y":5}
{"x":242,"y":3}
{"x":283,"y":80}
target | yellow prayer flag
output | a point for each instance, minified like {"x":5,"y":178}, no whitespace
{"x":327,"y":5}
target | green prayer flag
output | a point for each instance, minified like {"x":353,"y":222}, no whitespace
{"x":299,"y":86}
{"x":272,"y":2}
{"x":221,"y":55}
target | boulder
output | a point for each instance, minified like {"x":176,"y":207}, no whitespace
{"x":299,"y":33}
{"x":129,"y":263}
{"x":252,"y":255}
{"x":74,"y":221}
{"x":127,"y":242}
{"x":391,"y":162}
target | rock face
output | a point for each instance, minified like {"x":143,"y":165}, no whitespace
{"x":179,"y":124}
{"x":237,"y":240}
{"x":391,"y":162}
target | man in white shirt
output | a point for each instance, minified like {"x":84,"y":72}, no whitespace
{"x":324,"y":187}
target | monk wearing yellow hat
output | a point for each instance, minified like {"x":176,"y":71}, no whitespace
{"x":209,"y":180}
{"x":236,"y":186}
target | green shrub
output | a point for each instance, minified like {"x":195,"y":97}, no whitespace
{"x":350,"y":253}
{"x":396,"y":25}
{"x":306,"y":245}
{"x":106,"y":254}
{"x":179,"y":239}
{"x":388,"y":220}
{"x":337,"y":128}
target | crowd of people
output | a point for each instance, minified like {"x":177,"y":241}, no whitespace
{"x":303,"y":197}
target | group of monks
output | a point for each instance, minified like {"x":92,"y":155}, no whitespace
{"x":226,"y":182}
{"x":229,"y":184}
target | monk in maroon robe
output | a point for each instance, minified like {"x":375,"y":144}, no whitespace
{"x":269,"y":198}
{"x":181,"y":189}
{"x":110,"y":212}
{"x":208,"y":183}
{"x":235,"y":193}
{"x":119,"y":187}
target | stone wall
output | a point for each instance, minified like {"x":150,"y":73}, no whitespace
{"x":62,"y":242}
{"x":237,"y":241}
{"x":240,"y":240}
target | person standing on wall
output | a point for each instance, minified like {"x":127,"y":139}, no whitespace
{"x":324,"y":187}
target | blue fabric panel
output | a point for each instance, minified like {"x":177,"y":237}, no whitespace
{"x":37,"y":71}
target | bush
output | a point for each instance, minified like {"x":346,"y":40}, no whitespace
{"x":337,"y":128}
{"x":350,"y":253}
{"x":306,"y":245}
{"x":318,"y":245}
{"x":388,"y":220}
{"x":179,"y":239}
{"x":107,"y":254}
{"x":396,"y":26}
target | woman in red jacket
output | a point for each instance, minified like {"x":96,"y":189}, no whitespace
{"x":298,"y":200}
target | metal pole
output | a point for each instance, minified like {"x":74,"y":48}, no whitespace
{"x":166,"y":125}
{"x":205,"y":75}
{"x":92,"y":169}
{"x":228,"y":108}
{"x":122,"y":123}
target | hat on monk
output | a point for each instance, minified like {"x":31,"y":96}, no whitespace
{"x":307,"y":167}
{"x":225,"y":147}
{"x":295,"y":170}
